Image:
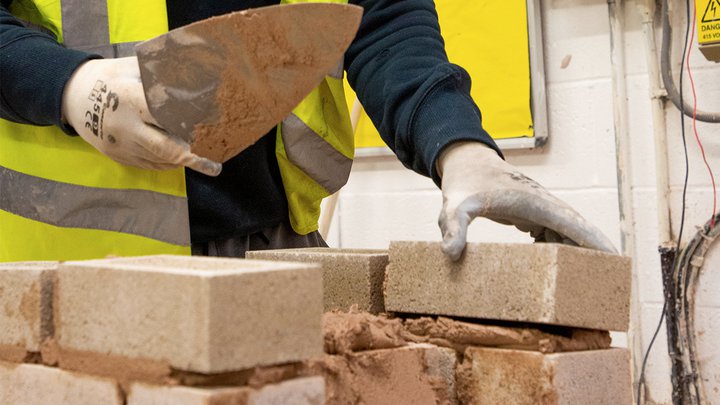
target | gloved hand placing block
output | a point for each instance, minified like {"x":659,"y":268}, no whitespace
{"x":476,"y":182}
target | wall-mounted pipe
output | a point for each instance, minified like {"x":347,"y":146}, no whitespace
{"x":622,"y":156}
{"x":620,"y":121}
{"x":662,"y":177}
{"x":657,"y":106}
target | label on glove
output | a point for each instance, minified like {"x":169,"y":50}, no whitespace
{"x":102,"y":100}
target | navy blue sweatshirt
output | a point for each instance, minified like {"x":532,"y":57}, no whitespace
{"x":397,"y":65}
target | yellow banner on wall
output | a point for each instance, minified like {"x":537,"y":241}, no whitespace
{"x":490,"y":40}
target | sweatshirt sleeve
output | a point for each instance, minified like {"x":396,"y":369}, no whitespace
{"x":34,"y":68}
{"x":419,"y":101}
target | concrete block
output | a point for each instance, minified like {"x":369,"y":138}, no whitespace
{"x":500,"y":376}
{"x":300,"y":391}
{"x":541,"y":283}
{"x":25,"y":307}
{"x":415,"y":375}
{"x":200,"y":314}
{"x":350,"y":276}
{"x":31,"y":384}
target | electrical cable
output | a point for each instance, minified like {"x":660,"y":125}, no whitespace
{"x":692,"y":259}
{"x":687,"y":382}
{"x":690,"y":280}
{"x":666,"y":71}
{"x":685,"y":285}
{"x":641,"y":380}
{"x":675,"y":334}
{"x":679,"y":391}
{"x":664,"y":55}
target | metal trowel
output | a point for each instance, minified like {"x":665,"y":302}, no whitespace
{"x":222,"y":83}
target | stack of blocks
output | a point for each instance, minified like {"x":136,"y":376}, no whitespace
{"x":124,"y":331}
{"x":416,"y":374}
{"x":539,"y":284}
{"x":200,"y":331}
{"x":542,"y":284}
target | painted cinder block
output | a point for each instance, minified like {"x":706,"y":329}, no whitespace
{"x":32,"y":384}
{"x":350,"y":276}
{"x":542,"y":283}
{"x":26,"y":290}
{"x":420,"y":374}
{"x":200,"y":314}
{"x":501,"y":376}
{"x":300,"y":391}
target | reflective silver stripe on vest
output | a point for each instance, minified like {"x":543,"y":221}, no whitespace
{"x":86,"y":28}
{"x":136,"y":212}
{"x":317,"y":158}
{"x":85,"y":23}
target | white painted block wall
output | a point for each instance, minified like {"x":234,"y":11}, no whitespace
{"x":383,"y":201}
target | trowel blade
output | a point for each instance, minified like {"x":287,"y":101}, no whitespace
{"x":222,"y":83}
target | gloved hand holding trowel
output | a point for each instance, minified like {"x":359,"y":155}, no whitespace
{"x":208,"y":92}
{"x":105,"y":103}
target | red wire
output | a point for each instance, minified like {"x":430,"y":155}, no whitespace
{"x":694,"y":124}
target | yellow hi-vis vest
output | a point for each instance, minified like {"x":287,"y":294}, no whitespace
{"x":60,"y":199}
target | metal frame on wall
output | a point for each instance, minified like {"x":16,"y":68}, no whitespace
{"x":538,"y":101}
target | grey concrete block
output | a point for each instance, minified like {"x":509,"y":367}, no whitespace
{"x":26,"y":290}
{"x":501,"y":376}
{"x":300,"y":391}
{"x":201,"y":314}
{"x":542,"y":283}
{"x":31,"y":384}
{"x":350,"y":276}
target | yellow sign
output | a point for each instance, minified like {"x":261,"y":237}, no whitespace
{"x":708,"y":17}
{"x":489,"y":39}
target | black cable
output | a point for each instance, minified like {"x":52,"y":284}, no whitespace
{"x":687,"y":160}
{"x":641,"y":380}
{"x":674,"y":335}
{"x":683,"y":273}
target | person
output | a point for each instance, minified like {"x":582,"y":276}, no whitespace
{"x":120,"y":187}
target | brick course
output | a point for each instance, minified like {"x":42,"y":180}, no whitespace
{"x":350,"y":276}
{"x":541,"y":283}
{"x":501,"y":376}
{"x":200,"y":314}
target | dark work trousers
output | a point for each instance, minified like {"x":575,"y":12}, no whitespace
{"x":279,"y":237}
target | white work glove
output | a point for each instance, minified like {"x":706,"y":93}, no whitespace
{"x":105,"y":103}
{"x":477,"y":182}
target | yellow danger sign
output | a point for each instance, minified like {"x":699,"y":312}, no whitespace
{"x":708,"y":18}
